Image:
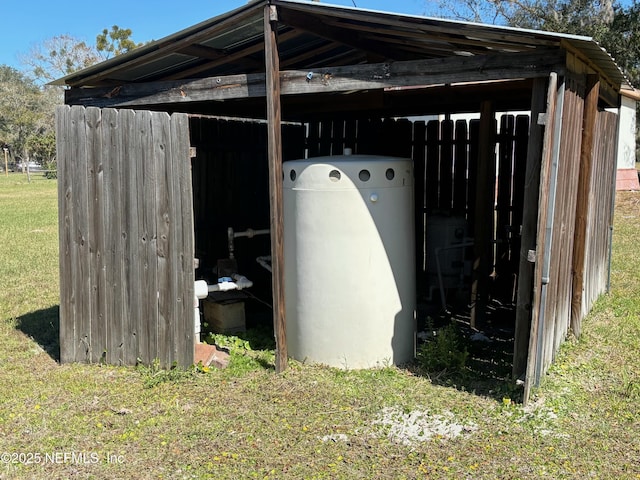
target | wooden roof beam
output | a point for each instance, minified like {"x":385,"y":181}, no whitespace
{"x":412,"y":73}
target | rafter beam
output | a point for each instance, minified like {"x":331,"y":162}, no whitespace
{"x":412,"y":73}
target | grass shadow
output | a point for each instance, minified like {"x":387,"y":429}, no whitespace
{"x":487,"y":370}
{"x":43,"y":326}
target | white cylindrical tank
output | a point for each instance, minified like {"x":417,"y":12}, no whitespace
{"x":350,"y":260}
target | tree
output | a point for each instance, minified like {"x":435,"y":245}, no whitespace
{"x":26,"y":116}
{"x":613,"y":26}
{"x":622,"y":40}
{"x":27,"y":104}
{"x":59,"y":56}
{"x":63,"y":54}
{"x":115,"y":42}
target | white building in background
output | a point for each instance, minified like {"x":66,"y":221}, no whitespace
{"x":627,"y":175}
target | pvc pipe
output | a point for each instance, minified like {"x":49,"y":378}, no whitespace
{"x":265,"y":262}
{"x":240,"y":282}
{"x":223,"y":287}
{"x":200,"y":289}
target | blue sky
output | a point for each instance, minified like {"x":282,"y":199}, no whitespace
{"x":29,"y":22}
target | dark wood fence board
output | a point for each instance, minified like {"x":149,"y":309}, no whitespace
{"x":119,"y":224}
{"x":460,"y":169}
{"x":96,"y":233}
{"x":80,"y":256}
{"x":114,"y":247}
{"x":65,"y":141}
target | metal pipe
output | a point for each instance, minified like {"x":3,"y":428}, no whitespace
{"x":249,"y":233}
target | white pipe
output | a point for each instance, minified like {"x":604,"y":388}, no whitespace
{"x":240,"y":282}
{"x":265,"y":262}
{"x":200,"y":289}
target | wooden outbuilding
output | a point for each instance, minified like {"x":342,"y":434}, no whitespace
{"x":163,"y":148}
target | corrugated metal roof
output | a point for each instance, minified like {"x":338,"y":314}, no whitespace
{"x":312,"y":34}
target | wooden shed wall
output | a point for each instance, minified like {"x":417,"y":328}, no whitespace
{"x":600,"y":211}
{"x":126,"y":236}
{"x":556,"y":314}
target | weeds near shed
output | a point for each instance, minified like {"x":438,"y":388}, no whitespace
{"x":444,"y":353}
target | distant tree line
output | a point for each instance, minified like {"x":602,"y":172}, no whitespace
{"x":27,"y":103}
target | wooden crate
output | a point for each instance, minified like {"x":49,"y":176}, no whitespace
{"x":227,"y":317}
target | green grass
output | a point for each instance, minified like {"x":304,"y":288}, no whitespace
{"x":309,"y":422}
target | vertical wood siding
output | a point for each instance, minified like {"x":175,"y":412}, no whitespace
{"x":557,"y":310}
{"x":126,"y":237}
{"x":600,"y":212}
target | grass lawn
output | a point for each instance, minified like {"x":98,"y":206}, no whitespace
{"x":96,"y":421}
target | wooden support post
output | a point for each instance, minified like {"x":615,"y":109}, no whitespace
{"x":484,"y":222}
{"x":528,"y":229}
{"x":582,"y":207}
{"x":274,"y":148}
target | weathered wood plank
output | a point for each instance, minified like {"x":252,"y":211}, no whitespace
{"x":446,"y":165}
{"x":568,"y":179}
{"x":597,"y":254}
{"x":148,"y":236}
{"x":484,"y":223}
{"x":583,"y":201}
{"x":112,"y":149}
{"x":132,"y":227}
{"x":460,"y":164}
{"x":419,"y":171}
{"x":530,"y":201}
{"x":274,"y":129}
{"x":165,"y":243}
{"x":96,"y":234}
{"x":432,"y":176}
{"x":80,"y":266}
{"x":474,"y":145}
{"x":64,"y":141}
{"x":550,"y":137}
{"x":326,"y":139}
{"x":331,"y":79}
{"x":183,"y":233}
